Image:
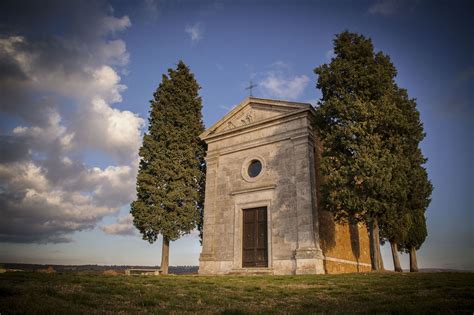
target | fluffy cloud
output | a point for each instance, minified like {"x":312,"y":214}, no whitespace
{"x":195,"y":32}
{"x":60,"y":88}
{"x":113,"y":24}
{"x":279,"y":86}
{"x":124,"y":226}
{"x":105,"y":128}
{"x":34,"y":210}
{"x":278,"y":82}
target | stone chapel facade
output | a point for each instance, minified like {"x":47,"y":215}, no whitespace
{"x":260,"y":211}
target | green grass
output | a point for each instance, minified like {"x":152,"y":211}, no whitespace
{"x":24,"y":292}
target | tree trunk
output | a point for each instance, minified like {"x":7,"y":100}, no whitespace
{"x":373,"y":245}
{"x":379,"y":252}
{"x":377,"y":246}
{"x":165,"y":256}
{"x":375,"y":254}
{"x":413,"y":263}
{"x":396,"y":260}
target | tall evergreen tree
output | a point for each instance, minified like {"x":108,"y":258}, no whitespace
{"x":419,"y":187}
{"x":371,"y":162}
{"x":170,"y":181}
{"x":414,"y":185}
{"x":359,"y":124}
{"x":418,"y":201}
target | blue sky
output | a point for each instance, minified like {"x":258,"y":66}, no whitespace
{"x":77,"y":79}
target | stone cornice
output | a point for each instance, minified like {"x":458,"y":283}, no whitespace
{"x":303,"y":132}
{"x":264,"y":123}
{"x":238,"y":192}
{"x":259,"y":101}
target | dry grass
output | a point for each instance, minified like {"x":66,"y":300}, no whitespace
{"x":47,"y":270}
{"x":23,"y":292}
{"x":110,"y":272}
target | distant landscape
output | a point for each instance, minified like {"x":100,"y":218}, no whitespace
{"x":92,"y":268}
{"x":178,"y":270}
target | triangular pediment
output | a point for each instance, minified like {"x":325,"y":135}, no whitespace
{"x":251,"y":111}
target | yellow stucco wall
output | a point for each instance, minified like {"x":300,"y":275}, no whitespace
{"x":332,"y":267}
{"x":343,"y":242}
{"x":345,"y":246}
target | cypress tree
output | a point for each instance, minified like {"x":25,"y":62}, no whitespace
{"x":419,"y":187}
{"x":371,"y":162}
{"x":418,"y":202}
{"x":170,"y":181}
{"x":414,"y":186}
{"x":357,"y":121}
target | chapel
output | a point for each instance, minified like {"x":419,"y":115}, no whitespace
{"x":261,"y":213}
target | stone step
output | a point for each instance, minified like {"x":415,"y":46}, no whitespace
{"x":141,"y":271}
{"x":251,"y":271}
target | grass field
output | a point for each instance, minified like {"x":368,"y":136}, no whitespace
{"x":25,"y":292}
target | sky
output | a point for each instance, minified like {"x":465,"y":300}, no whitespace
{"x":76,"y":78}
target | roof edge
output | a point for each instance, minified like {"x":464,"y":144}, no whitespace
{"x":247,"y":101}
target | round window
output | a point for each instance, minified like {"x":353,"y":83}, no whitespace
{"x":255,"y":167}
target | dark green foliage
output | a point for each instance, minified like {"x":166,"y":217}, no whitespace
{"x":417,"y":232}
{"x":396,"y":221}
{"x":418,"y":201}
{"x":356,"y":119}
{"x":171,"y":176}
{"x":405,"y":220}
{"x":371,"y":130}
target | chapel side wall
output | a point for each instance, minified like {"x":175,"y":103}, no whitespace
{"x":340,"y":242}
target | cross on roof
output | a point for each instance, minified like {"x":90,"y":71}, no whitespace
{"x":250,"y":87}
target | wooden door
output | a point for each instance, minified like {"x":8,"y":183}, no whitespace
{"x":255,"y":244}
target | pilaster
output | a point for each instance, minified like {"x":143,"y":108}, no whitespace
{"x":208,"y":255}
{"x":308,"y":254}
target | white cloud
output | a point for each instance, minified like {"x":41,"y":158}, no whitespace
{"x":313,"y":102}
{"x":46,"y":190}
{"x":330,"y":54}
{"x":52,"y":136}
{"x":116,"y":52}
{"x":279,"y":82}
{"x":37,"y":206}
{"x":114,"y":131}
{"x":279,"y":85}
{"x":33,"y":209}
{"x":195,"y":32}
{"x":281,"y":65}
{"x":391,"y":7}
{"x":152,"y":9}
{"x":29,"y":176}
{"x":124,"y":226}
{"x":114,"y":185}
{"x":114,"y":24}
{"x":227,"y":108}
